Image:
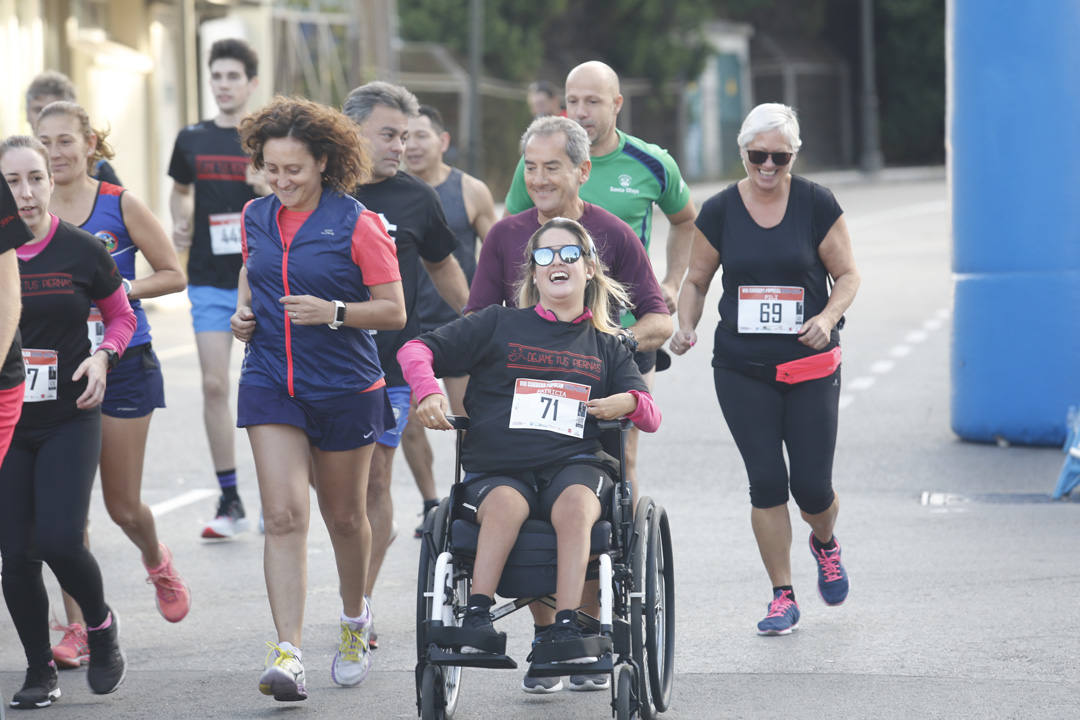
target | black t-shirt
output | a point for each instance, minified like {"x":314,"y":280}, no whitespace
{"x":786,"y":255}
{"x":58,"y":285}
{"x":104,"y":171}
{"x":13,"y":234}
{"x":211,"y":157}
{"x":499,"y":345}
{"x":412,"y":215}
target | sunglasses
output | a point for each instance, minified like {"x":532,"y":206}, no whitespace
{"x":758,"y":157}
{"x":567,"y":253}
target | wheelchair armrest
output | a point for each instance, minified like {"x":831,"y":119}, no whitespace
{"x":459,"y":422}
{"x":620,"y":424}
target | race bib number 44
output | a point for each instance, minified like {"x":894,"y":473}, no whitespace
{"x":550,"y":405}
{"x":42,"y":369}
{"x":225,"y":233}
{"x":770,"y":309}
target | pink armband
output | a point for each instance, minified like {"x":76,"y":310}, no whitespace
{"x":416,"y":359}
{"x":119,"y":320}
{"x":646,"y":416}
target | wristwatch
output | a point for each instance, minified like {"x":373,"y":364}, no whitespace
{"x":339,"y":315}
{"x":112,"y":357}
{"x":127,"y":286}
{"x":628,"y":339}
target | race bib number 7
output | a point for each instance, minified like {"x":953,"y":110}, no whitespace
{"x":225,"y":233}
{"x":42,"y":370}
{"x":551,"y":405}
{"x":770,"y":309}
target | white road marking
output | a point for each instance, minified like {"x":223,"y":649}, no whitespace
{"x":915,"y":336}
{"x":891,"y":216}
{"x":899,"y":351}
{"x":175,"y":352}
{"x":846,"y":400}
{"x":882,"y":366}
{"x":861,"y":383}
{"x":191,"y":496}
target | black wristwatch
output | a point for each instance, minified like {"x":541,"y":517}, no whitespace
{"x":112,"y":357}
{"x":339,"y":315}
{"x":628,"y":339}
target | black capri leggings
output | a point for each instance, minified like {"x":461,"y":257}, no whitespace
{"x":45,"y":485}
{"x":764,"y":416}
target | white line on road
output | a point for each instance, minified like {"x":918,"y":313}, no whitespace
{"x":900,"y":351}
{"x":846,"y":400}
{"x":915,"y":336}
{"x":191,"y":496}
{"x":882,"y":366}
{"x":175,"y":352}
{"x":888,"y":217}
{"x":861,"y":383}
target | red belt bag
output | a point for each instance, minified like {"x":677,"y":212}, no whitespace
{"x":809,"y":368}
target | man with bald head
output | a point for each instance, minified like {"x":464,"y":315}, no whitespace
{"x":627,"y":177}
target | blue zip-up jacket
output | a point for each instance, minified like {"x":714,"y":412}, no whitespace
{"x":308,"y":361}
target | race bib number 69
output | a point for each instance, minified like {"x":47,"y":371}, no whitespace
{"x":552,"y":405}
{"x":770,"y":309}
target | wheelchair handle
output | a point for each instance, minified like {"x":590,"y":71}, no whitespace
{"x":459,"y":422}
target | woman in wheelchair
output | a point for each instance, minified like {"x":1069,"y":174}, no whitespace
{"x":541,"y":374}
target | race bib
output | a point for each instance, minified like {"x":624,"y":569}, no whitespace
{"x":95,"y":328}
{"x":550,"y":405}
{"x":42,"y":370}
{"x":765,"y":309}
{"x":225,"y":233}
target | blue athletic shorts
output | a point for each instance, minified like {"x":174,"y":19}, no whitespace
{"x":399,"y":399}
{"x":134,"y":388}
{"x":344,"y":422}
{"x":211,"y":308}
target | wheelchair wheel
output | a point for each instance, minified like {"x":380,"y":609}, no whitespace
{"x":446,"y":680}
{"x":639,"y":552}
{"x":660,"y":610}
{"x":625,"y":702}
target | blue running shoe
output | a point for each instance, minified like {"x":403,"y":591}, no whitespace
{"x":783,"y":615}
{"x":832,"y":580}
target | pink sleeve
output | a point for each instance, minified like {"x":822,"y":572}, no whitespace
{"x":374,"y":251}
{"x":415,"y":359}
{"x":119,"y":320}
{"x":647,"y":415}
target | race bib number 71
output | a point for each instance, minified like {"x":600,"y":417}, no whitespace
{"x":41,"y":375}
{"x":552,"y":405}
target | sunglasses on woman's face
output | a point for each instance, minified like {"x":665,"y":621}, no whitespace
{"x":546,"y":255}
{"x":758,"y":157}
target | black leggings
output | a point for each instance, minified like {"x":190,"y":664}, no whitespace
{"x":45,"y":485}
{"x":764,"y":416}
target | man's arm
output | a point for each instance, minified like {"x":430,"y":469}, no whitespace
{"x":479,"y":205}
{"x":680,"y":238}
{"x":449,"y":280}
{"x":10,"y":299}
{"x":652,"y":330}
{"x":182,"y":208}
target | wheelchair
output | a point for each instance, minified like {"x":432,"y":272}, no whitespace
{"x":633,"y":637}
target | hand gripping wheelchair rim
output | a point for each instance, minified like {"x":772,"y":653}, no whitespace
{"x":637,"y":605}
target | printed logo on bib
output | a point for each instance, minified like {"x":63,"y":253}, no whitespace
{"x":95,"y":328}
{"x":225,"y":233}
{"x":770,"y":309}
{"x":42,"y":370}
{"x":553,"y":405}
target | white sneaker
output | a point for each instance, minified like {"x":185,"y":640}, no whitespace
{"x":352,"y":662}
{"x":284,"y":674}
{"x":229,"y":520}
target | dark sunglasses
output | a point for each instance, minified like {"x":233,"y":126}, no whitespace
{"x":546,"y":255}
{"x":758,"y":157}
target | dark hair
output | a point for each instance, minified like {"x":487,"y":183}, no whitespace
{"x":103,"y":151}
{"x":326,"y":133}
{"x":543,"y":86}
{"x":52,"y":83}
{"x":236,"y":49}
{"x":434,"y":116}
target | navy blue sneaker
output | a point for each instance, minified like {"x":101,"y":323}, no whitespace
{"x":832,"y":580}
{"x":783,"y":615}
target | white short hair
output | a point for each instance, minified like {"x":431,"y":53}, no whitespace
{"x":771,"y":116}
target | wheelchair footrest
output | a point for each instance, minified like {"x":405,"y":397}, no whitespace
{"x":603,"y":666}
{"x":560,"y":652}
{"x":454,"y":637}
{"x":440,"y":656}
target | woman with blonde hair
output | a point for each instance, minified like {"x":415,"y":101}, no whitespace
{"x":540,"y":376}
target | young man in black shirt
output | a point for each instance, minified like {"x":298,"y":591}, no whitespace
{"x":209,"y":167}
{"x":411,"y":212}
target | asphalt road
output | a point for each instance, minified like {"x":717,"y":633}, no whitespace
{"x":964,"y":576}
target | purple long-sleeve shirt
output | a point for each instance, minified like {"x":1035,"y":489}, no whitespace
{"x":503,"y":255}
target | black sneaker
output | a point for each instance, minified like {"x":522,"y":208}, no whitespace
{"x":563,"y":632}
{"x":108,"y":666}
{"x":229,"y":520}
{"x":478,"y":620}
{"x":40,"y":689}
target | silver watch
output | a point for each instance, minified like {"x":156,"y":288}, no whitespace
{"x":339,"y":315}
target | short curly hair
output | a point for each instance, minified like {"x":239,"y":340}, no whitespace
{"x":326,"y":133}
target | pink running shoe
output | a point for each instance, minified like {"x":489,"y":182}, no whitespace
{"x":173,"y":596}
{"x":74,"y":649}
